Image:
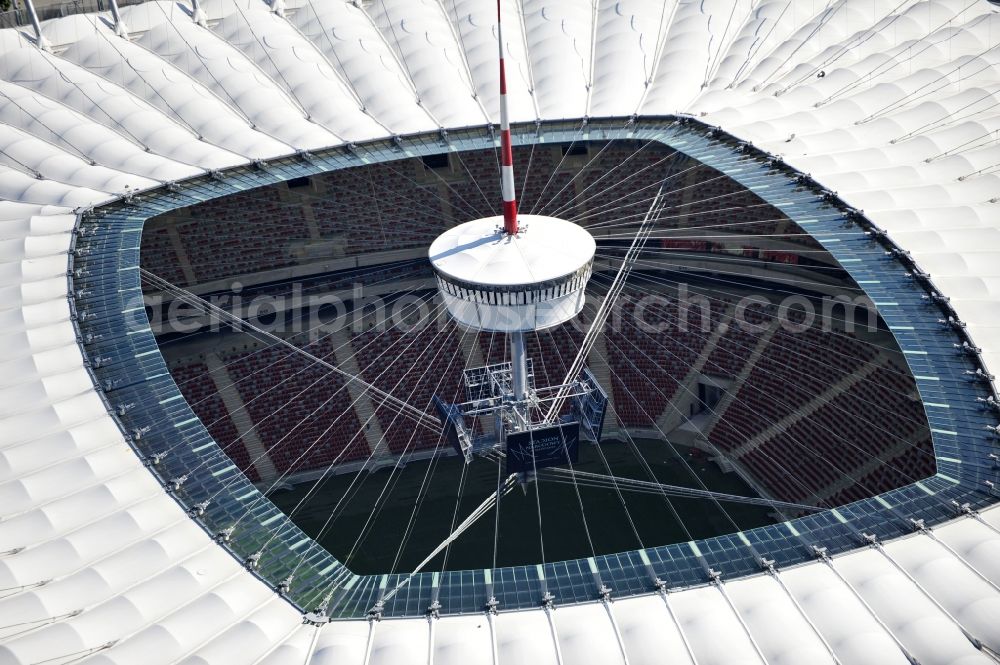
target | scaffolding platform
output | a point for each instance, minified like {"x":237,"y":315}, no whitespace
{"x":527,"y":440}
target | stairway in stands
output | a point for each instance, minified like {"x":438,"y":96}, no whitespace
{"x":676,"y":415}
{"x":241,"y":419}
{"x":805,"y":410}
{"x":363,"y":407}
{"x":730,"y":395}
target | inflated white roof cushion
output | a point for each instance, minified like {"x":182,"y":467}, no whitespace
{"x":105,"y":566}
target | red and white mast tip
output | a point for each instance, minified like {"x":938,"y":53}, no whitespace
{"x":506,"y":154}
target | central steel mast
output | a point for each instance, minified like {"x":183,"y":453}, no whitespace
{"x":518,"y":350}
{"x":514,"y":275}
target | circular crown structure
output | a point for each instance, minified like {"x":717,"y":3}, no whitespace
{"x":532,"y":280}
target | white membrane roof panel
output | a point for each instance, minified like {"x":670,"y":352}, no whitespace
{"x":892,"y":104}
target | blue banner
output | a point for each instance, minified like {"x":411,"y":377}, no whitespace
{"x":536,"y":449}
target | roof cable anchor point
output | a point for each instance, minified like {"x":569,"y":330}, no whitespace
{"x":964,"y":508}
{"x":198,"y":509}
{"x":175,"y":484}
{"x":253,"y":561}
{"x":318,"y":617}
